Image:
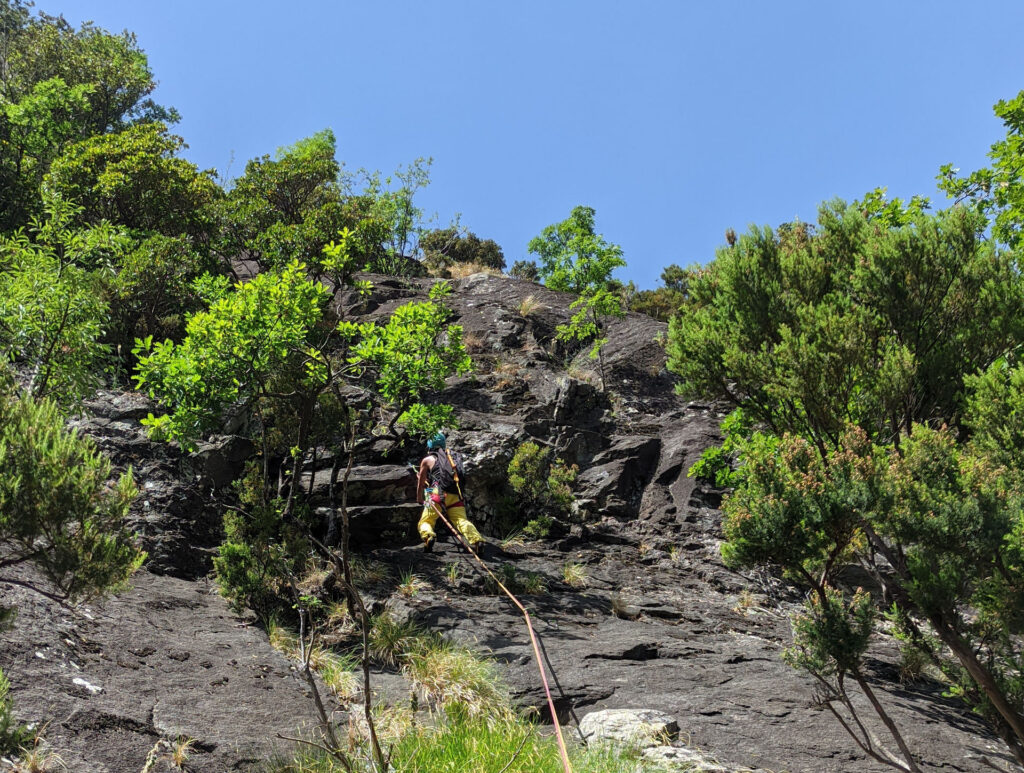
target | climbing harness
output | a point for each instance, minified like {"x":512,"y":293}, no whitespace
{"x":566,"y":766}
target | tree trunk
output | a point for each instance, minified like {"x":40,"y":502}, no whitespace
{"x":887,"y":720}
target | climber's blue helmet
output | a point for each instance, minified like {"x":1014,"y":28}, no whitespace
{"x":437,"y":441}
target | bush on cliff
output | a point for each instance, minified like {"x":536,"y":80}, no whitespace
{"x":848,"y":348}
{"x":59,"y":511}
{"x":543,"y":487}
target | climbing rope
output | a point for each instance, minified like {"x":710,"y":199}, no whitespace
{"x":566,"y":766}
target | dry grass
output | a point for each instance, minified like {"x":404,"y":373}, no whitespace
{"x":342,"y":678}
{"x":180,"y":751}
{"x":38,"y":760}
{"x":175,"y":753}
{"x":508,"y":372}
{"x":474,"y":342}
{"x":282,"y":640}
{"x":338,"y":616}
{"x":391,"y":641}
{"x":390,"y":722}
{"x":746,"y":602}
{"x":448,"y":676}
{"x":462,"y":270}
{"x":313,"y":577}
{"x":575,"y":575}
{"x":580,"y":373}
{"x":529,"y":305}
{"x":513,"y":542}
{"x":623,"y":610}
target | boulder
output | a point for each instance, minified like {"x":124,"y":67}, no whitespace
{"x":615,"y":481}
{"x":637,"y":727}
{"x":220,"y":460}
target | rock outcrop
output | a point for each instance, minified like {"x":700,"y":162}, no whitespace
{"x":659,"y":623}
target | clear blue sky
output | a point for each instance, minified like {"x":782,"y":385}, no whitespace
{"x":675,"y":120}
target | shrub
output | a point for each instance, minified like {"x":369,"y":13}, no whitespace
{"x":59,"y":510}
{"x":12,"y":735}
{"x":538,"y":528}
{"x":153,"y":291}
{"x":259,"y":551}
{"x":543,"y":486}
{"x":51,"y":313}
{"x":444,"y":247}
{"x":526,"y":270}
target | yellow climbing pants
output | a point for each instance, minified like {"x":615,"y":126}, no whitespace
{"x":454,"y":509}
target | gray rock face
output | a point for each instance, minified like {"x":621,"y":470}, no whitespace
{"x":221,"y":460}
{"x":177,"y":519}
{"x":657,"y":622}
{"x":165,"y":659}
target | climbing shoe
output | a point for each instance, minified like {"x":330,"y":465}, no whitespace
{"x":428,"y":545}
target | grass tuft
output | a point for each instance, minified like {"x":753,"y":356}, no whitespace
{"x":513,"y":542}
{"x":575,"y":575}
{"x":460,"y":744}
{"x":410,"y":584}
{"x":533,"y":583}
{"x":390,"y":640}
{"x":454,"y":678}
{"x":528,"y":305}
{"x":365,"y":572}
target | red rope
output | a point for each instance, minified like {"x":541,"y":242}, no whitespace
{"x":566,"y":766}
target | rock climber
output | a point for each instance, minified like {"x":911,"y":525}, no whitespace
{"x":439,"y":488}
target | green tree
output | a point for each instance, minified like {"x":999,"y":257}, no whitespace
{"x":268,"y":350}
{"x":443,"y":246}
{"x":52,"y":314}
{"x":59,"y":85}
{"x":996,"y":191}
{"x":233,"y":354}
{"x":410,"y":356}
{"x":575,"y":259}
{"x":395,"y":223}
{"x":288,"y":207}
{"x":34,"y":131}
{"x":42,"y":47}
{"x":857,"y":322}
{"x":58,"y":510}
{"x":60,"y":514}
{"x":848,"y":350}
{"x":133,"y":178}
{"x":155,"y":287}
{"x":525,"y":270}
{"x":663,"y":302}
